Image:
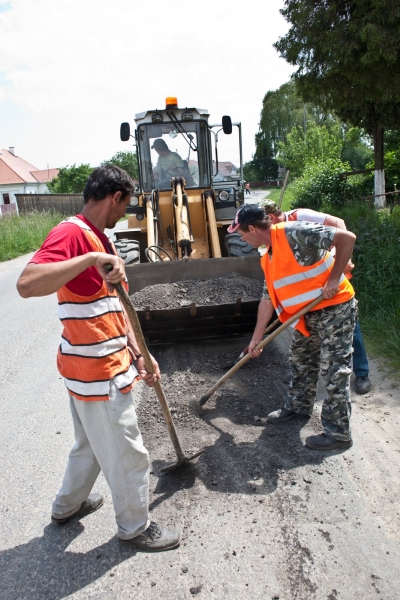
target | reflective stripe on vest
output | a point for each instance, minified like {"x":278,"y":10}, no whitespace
{"x":292,"y":286}
{"x":94,"y":341}
{"x":278,"y":283}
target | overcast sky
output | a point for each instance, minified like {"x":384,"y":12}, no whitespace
{"x":72,"y":70}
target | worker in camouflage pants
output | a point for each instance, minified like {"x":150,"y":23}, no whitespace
{"x":299,"y":268}
{"x":328,"y":350}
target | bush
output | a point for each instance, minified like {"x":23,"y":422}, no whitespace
{"x":320,"y":184}
{"x":375,"y":277}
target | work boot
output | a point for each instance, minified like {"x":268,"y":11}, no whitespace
{"x":362,"y":385}
{"x":88,"y":506}
{"x":324,"y":443}
{"x":282,"y":415}
{"x":154,"y":539}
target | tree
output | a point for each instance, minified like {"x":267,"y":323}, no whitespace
{"x":70,"y":180}
{"x":125,"y":160}
{"x":348,"y":58}
{"x":282,"y":109}
{"x":357,"y":148}
{"x":321,"y":184}
{"x":302,"y":148}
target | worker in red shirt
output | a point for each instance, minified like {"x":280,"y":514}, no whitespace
{"x":100,"y":362}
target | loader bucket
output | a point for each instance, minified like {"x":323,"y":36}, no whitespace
{"x":195,"y":322}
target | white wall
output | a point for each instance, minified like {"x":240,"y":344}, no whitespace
{"x":22,"y":188}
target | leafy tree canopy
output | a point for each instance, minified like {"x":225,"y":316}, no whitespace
{"x":348,"y":57}
{"x":392,"y":140}
{"x":302,"y":148}
{"x":125,"y":160}
{"x":70,"y":180}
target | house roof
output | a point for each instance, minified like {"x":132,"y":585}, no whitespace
{"x":14,"y":169}
{"x":225,"y":167}
{"x":7,"y":175}
{"x":45,"y":174}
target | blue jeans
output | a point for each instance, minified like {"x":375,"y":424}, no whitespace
{"x":360,"y":360}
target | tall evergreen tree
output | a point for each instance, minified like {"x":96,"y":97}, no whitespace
{"x":348,"y":58}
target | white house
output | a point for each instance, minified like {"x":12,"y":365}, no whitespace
{"x":17,"y":176}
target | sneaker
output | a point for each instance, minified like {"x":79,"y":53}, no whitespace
{"x":282,"y":415}
{"x":154,"y":539}
{"x":362,"y":385}
{"x":325,"y":443}
{"x":94,"y":502}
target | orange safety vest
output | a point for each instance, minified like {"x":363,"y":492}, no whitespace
{"x":94,"y":348}
{"x":292,"y":286}
{"x":292,"y":214}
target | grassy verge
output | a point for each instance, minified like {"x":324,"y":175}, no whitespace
{"x":376,"y":278}
{"x":20,"y":235}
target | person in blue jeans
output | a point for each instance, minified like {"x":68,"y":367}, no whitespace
{"x":362,"y":384}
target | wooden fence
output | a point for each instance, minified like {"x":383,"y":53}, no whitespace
{"x":65,"y":204}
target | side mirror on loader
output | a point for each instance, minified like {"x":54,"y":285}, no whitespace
{"x":125,"y":132}
{"x":227,"y":125}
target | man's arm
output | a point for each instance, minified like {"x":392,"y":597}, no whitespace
{"x":344,"y":244}
{"x":265,"y":312}
{"x":331,"y":221}
{"x":46,"y":278}
{"x":313,"y":216}
{"x":148,"y":378}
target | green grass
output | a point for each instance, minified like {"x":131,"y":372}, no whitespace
{"x":26,"y":233}
{"x":376,"y":277}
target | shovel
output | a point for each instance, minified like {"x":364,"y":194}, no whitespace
{"x":137,"y":330}
{"x":246,"y":350}
{"x":259,"y":346}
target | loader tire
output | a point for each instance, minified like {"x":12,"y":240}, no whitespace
{"x":128,"y":250}
{"x":237,"y":247}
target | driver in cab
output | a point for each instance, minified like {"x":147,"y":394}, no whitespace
{"x":169,"y":164}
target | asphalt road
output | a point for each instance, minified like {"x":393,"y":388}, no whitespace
{"x":326,"y":527}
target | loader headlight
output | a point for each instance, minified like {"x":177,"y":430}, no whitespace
{"x":223,"y":195}
{"x":134,"y":201}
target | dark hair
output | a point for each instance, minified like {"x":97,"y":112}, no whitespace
{"x":106,"y":180}
{"x":264,"y":224}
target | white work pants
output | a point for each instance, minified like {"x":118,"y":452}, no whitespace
{"x":107,"y":438}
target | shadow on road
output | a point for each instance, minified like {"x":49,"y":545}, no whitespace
{"x":43,"y":569}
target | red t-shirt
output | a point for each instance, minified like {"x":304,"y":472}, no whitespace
{"x":66,"y":241}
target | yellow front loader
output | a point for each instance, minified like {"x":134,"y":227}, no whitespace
{"x":178,"y":220}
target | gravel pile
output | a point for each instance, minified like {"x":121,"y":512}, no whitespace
{"x":217,"y":290}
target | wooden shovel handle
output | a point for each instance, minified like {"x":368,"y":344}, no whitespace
{"x":259,"y":346}
{"x":137,"y":330}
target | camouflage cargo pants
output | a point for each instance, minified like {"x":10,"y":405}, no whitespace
{"x":328,"y":351}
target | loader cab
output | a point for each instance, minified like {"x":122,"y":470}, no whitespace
{"x":171,"y":143}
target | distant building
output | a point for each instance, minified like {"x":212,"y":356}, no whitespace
{"x":17,"y":176}
{"x":226,"y":170}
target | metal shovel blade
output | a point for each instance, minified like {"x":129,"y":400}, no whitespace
{"x":181,"y":462}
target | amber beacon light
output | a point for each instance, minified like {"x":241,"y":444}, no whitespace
{"x":171,"y":102}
